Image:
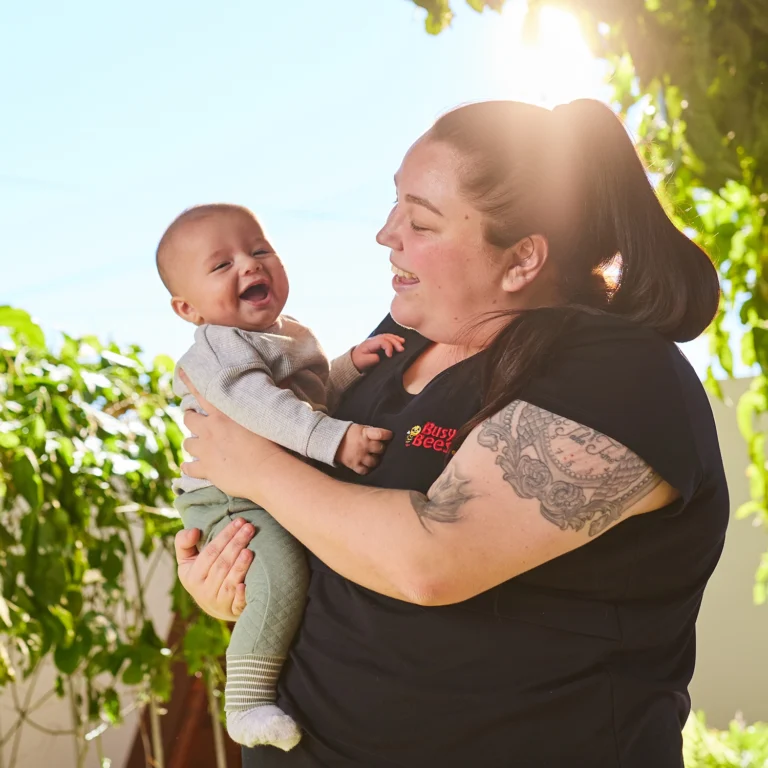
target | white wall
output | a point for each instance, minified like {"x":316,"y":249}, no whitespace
{"x":732,"y":662}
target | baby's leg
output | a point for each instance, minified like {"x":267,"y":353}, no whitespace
{"x":206,"y":508}
{"x":275,"y":590}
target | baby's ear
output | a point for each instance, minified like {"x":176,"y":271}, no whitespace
{"x":186,"y":311}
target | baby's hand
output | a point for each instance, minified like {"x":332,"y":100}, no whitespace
{"x":361,"y":448}
{"x":365,"y":355}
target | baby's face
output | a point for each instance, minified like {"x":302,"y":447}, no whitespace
{"x":225,"y":272}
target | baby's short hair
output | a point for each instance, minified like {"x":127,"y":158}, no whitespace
{"x":185,"y":217}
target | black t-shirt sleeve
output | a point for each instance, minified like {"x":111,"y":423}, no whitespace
{"x":633,"y":386}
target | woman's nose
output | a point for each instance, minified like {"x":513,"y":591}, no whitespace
{"x":388,"y":234}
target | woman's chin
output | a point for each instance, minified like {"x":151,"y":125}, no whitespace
{"x":404,"y":315}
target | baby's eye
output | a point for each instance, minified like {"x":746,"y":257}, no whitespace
{"x":260,"y":252}
{"x":220,"y":266}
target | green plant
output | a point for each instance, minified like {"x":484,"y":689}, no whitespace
{"x":89,"y":445}
{"x":741,"y":746}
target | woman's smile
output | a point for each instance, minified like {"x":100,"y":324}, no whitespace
{"x":402,"y":279}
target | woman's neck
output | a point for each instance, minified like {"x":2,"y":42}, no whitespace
{"x":435,"y":359}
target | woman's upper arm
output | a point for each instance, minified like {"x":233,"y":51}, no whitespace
{"x":527,"y":486}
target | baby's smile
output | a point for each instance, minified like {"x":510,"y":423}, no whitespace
{"x":257,"y":293}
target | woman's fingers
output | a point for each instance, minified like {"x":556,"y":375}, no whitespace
{"x":192,"y":469}
{"x":204,"y":404}
{"x":235,"y":578}
{"x":185,"y":544}
{"x":222,"y":550}
{"x":194,"y":422}
{"x":214,"y":576}
{"x":190,"y":386}
{"x":238,"y":606}
{"x":220,"y":575}
{"x":189,"y":445}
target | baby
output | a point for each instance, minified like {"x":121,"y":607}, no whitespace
{"x":268,"y":373}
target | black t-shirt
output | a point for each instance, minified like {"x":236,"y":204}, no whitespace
{"x":582,"y":662}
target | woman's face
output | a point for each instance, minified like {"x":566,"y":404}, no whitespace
{"x":445,"y":274}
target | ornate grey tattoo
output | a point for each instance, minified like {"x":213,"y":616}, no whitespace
{"x":578,"y":474}
{"x":444,"y":505}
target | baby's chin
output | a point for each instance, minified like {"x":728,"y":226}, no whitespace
{"x":248,"y":319}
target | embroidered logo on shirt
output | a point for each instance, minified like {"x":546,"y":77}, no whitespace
{"x":431,"y":437}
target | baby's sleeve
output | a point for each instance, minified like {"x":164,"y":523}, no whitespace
{"x":343,"y":375}
{"x":235,"y":377}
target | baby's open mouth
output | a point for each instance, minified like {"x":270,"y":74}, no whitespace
{"x":255,"y":293}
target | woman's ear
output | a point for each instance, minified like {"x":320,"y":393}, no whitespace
{"x":186,"y":311}
{"x":526,"y":259}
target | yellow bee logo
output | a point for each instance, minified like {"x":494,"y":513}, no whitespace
{"x":412,"y":433}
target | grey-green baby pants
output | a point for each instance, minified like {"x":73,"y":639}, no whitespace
{"x":275,"y":592}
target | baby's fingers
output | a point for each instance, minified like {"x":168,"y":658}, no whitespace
{"x":376,"y":447}
{"x":377,"y":433}
{"x":370,"y":461}
{"x":389,"y":342}
{"x":397,"y":341}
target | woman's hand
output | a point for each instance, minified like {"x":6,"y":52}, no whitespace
{"x":215,"y":576}
{"x":226,"y":454}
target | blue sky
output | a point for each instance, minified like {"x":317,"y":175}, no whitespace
{"x":117,"y":116}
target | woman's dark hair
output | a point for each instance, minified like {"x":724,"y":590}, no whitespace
{"x":573,"y":176}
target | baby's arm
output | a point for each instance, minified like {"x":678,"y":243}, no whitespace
{"x":245,"y":391}
{"x":348,"y":368}
{"x":231,"y":374}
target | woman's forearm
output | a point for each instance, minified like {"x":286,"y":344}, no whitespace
{"x":371,"y":536}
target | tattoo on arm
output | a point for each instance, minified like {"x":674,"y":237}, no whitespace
{"x":579,"y":475}
{"x":447,"y":496}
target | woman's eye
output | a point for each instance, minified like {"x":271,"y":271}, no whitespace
{"x":418,"y":229}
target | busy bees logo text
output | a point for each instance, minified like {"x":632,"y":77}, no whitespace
{"x":431,"y":437}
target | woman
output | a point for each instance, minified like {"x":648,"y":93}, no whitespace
{"x":529,"y":598}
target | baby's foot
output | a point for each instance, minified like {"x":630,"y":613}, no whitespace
{"x":267,"y":724}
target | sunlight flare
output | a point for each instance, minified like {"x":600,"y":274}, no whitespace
{"x":555,"y":69}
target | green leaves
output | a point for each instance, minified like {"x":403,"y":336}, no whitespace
{"x":25,"y":476}
{"x":440,"y":14}
{"x":22,"y":328}
{"x":738,"y":746}
{"x":5,"y":613}
{"x":205,"y":639}
{"x":111,"y":706}
{"x":89,"y":446}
